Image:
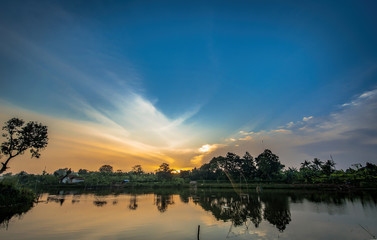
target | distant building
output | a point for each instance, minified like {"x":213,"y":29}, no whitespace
{"x":71,"y":179}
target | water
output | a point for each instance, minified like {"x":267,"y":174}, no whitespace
{"x":176,"y":214}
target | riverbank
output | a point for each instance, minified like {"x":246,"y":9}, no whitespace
{"x":204,"y":185}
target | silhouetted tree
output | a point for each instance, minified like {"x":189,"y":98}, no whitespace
{"x":20,"y":137}
{"x":61,"y":172}
{"x":317,"y":164}
{"x":231,"y":165}
{"x":106,"y":169}
{"x":248,"y":167}
{"x":291,"y":175}
{"x":307,"y":171}
{"x":305,"y":165}
{"x":268,"y":165}
{"x":371,"y":168}
{"x":328,"y":167}
{"x":83,"y":171}
{"x":184,"y":174}
{"x":164,"y":172}
{"x":137,"y":169}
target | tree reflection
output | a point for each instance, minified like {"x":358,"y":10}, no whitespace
{"x":163,"y":201}
{"x":276,"y":210}
{"x":6,"y":213}
{"x":248,"y":207}
{"x":57,"y":199}
{"x":185,"y":196}
{"x":99,"y":203}
{"x":133,"y":202}
{"x":233,"y":207}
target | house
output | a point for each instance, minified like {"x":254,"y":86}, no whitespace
{"x":71,"y":179}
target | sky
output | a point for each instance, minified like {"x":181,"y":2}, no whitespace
{"x":147,"y":82}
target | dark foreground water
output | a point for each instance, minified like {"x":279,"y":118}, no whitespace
{"x":176,"y":214}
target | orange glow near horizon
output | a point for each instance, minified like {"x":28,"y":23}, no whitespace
{"x":85,"y":145}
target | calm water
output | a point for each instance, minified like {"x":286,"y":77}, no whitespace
{"x":176,"y":214}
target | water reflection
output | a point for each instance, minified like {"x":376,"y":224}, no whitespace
{"x":99,"y":203}
{"x":240,"y":209}
{"x":7,"y":213}
{"x":248,"y":207}
{"x":276,"y":210}
{"x":162,"y":201}
{"x":57,"y":199}
{"x":133,"y":202}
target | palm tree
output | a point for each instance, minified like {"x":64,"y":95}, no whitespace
{"x":317,"y":164}
{"x":305,"y":165}
{"x":328,"y":167}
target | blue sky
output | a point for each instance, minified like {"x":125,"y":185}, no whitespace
{"x":173,"y":76}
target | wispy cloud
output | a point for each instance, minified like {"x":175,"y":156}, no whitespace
{"x":107,"y":123}
{"x":349,"y":135}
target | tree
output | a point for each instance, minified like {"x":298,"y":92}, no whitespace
{"x":106,"y":169}
{"x":137,"y":169}
{"x":83,"y":171}
{"x":311,"y":170}
{"x":248,"y":168}
{"x":308,"y":170}
{"x":164,"y":171}
{"x":230,"y":165}
{"x":21,"y":137}
{"x":268,"y":164}
{"x":305,"y":165}
{"x":61,"y":172}
{"x":317,"y":164}
{"x":328,"y":167}
{"x":291,"y":175}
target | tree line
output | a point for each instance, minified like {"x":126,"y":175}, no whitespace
{"x":266,"y":167}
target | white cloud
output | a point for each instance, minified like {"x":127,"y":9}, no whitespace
{"x":245,"y":138}
{"x":368,"y":94}
{"x":290,"y":124}
{"x":246,"y":133}
{"x":349,"y":135}
{"x":305,"y":119}
{"x":283,"y":131}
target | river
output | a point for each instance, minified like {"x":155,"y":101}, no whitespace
{"x":176,"y":214}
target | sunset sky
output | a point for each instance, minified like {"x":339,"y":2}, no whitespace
{"x":147,"y":82}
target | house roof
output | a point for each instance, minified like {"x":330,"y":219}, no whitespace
{"x":75,"y":177}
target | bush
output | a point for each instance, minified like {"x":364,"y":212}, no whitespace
{"x":12,"y":195}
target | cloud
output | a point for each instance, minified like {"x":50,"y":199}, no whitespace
{"x":105,"y":122}
{"x":204,"y":151}
{"x":361,"y":98}
{"x":349,"y":135}
{"x":87,"y":144}
{"x":290,"y":124}
{"x":245,"y":138}
{"x":197,"y":160}
{"x":305,"y":119}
